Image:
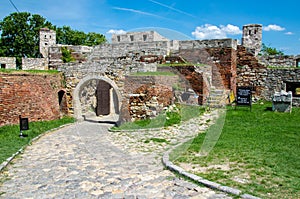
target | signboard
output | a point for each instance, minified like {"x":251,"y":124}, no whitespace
{"x":244,"y":96}
{"x":24,"y":124}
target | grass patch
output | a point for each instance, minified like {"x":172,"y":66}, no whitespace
{"x":165,"y":119}
{"x":15,"y":71}
{"x":11,"y":142}
{"x":157,"y":140}
{"x":261,"y":148}
{"x":157,"y":73}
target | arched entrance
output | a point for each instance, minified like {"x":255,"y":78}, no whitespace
{"x":98,"y":95}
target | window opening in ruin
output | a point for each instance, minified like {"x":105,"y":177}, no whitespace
{"x":118,"y":38}
{"x":46,"y":44}
{"x":3,"y":66}
{"x":60,"y":96}
{"x":45,"y":36}
{"x":62,"y":102}
{"x":298,"y":63}
{"x":294,"y":87}
{"x":249,"y":32}
{"x":144,"y":37}
{"x":131,"y":37}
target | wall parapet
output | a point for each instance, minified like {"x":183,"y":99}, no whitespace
{"x":34,"y":63}
{"x":8,"y":63}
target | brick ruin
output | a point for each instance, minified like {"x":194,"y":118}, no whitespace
{"x":36,"y":96}
{"x":201,"y":69}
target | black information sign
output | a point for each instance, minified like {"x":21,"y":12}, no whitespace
{"x":244,"y":96}
{"x":23,"y":126}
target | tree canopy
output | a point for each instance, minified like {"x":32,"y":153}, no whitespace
{"x":66,"y":35}
{"x":20,"y":35}
{"x":267,"y":50}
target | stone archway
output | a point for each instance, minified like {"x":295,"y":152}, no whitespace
{"x":114,"y":100}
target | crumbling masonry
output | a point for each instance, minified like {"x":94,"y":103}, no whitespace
{"x":204,"y":72}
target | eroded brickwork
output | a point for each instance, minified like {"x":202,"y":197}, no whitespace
{"x":30,"y":95}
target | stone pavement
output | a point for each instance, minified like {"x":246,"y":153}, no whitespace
{"x":84,"y":160}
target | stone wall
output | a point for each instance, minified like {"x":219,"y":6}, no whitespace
{"x":149,"y":100}
{"x":250,"y":72}
{"x":204,"y":44}
{"x":34,"y":63}
{"x":133,"y":85}
{"x":147,"y":36}
{"x":263,"y":80}
{"x":8,"y":62}
{"x":278,"y":78}
{"x":30,"y":95}
{"x":80,"y":54}
{"x":252,"y":38}
{"x":279,"y":61}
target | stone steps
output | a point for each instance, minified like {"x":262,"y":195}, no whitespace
{"x":217,"y":98}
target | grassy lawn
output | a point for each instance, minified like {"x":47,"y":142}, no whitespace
{"x":157,"y":73}
{"x":11,"y":142}
{"x":30,"y":71}
{"x":185,"y":113}
{"x":258,"y":152}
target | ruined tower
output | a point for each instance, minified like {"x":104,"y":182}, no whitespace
{"x":252,"y":37}
{"x":47,"y":38}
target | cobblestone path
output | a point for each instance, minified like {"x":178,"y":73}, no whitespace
{"x":84,"y":160}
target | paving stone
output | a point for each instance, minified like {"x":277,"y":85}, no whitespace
{"x":85,"y":160}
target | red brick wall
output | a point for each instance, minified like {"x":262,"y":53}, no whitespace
{"x":222,"y":60}
{"x":30,"y":95}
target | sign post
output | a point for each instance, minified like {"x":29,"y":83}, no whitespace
{"x":244,"y":97}
{"x":23,"y":126}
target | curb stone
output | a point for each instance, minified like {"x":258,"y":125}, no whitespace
{"x":203,"y":181}
{"x":8,"y":160}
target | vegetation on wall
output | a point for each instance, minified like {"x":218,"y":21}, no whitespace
{"x":67,"y":55}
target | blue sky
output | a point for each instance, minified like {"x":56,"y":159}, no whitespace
{"x":193,"y":19}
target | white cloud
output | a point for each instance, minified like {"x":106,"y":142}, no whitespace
{"x":209,"y":31}
{"x":289,"y":33}
{"x":273,"y":27}
{"x":116,"y":32}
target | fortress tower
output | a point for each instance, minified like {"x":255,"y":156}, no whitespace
{"x":47,"y":38}
{"x":252,"y":37}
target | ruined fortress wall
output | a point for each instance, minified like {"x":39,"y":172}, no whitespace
{"x":34,"y":63}
{"x":277,"y":78}
{"x":213,"y":43}
{"x":221,"y":60}
{"x":265,"y":81}
{"x":30,"y":95}
{"x":279,"y":61}
{"x":8,"y":62}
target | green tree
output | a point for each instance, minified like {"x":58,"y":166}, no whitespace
{"x":267,"y":50}
{"x":20,"y":35}
{"x":66,"y":35}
